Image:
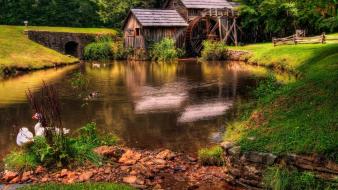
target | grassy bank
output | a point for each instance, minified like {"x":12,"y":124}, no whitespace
{"x":17,"y":51}
{"x":289,"y":57}
{"x":300,"y":117}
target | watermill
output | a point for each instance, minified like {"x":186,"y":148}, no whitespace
{"x":212,"y":24}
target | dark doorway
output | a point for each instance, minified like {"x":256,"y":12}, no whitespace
{"x":71,"y":48}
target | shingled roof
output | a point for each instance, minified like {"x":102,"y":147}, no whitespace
{"x":151,"y":17}
{"x":209,"y":4}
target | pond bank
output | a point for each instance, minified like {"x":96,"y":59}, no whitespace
{"x":295,"y":125}
{"x":161,"y":169}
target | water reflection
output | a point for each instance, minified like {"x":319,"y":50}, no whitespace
{"x":167,"y":98}
{"x":204,"y":111}
{"x":181,"y":106}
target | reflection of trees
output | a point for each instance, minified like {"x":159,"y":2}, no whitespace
{"x":14,"y":89}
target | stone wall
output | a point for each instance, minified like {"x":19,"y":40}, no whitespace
{"x":246,"y":168}
{"x":59,"y":40}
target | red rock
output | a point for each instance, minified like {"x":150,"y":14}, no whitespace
{"x":26,"y":176}
{"x":157,"y":187}
{"x":85,"y":176}
{"x":166,"y":155}
{"x":130,"y":157}
{"x":159,"y":161}
{"x":40,"y":170}
{"x":107,"y":171}
{"x":130,"y":179}
{"x":108,"y":151}
{"x":64,"y":173}
{"x":9,"y":175}
{"x":44,"y":179}
{"x":17,"y":179}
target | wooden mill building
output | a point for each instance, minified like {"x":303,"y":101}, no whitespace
{"x":188,"y":22}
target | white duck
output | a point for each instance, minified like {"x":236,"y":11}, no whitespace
{"x":25,"y":136}
{"x":38,"y":128}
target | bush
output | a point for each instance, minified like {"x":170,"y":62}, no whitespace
{"x":165,"y":50}
{"x":76,"y":151}
{"x":211,"y":156}
{"x":214,"y":50}
{"x":283,"y":179}
{"x":105,"y":49}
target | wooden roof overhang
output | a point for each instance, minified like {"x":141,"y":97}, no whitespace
{"x":207,"y":4}
{"x":157,"y":18}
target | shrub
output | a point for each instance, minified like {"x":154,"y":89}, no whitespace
{"x":165,"y":50}
{"x":214,"y":50}
{"x":277,"y":178}
{"x":105,"y":49}
{"x":211,"y":156}
{"x":76,"y":151}
{"x":98,"y":51}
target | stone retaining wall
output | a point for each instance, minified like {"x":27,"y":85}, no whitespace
{"x":59,"y":40}
{"x":246,"y":169}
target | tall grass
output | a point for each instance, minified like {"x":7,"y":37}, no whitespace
{"x":214,"y":50}
{"x":277,"y":178}
{"x":211,"y":156}
{"x":165,"y":50}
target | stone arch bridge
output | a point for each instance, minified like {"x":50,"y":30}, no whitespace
{"x":64,"y":42}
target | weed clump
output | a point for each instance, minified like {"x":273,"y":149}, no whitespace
{"x":165,"y":50}
{"x":214,"y":51}
{"x":211,"y":156}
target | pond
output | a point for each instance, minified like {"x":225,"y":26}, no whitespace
{"x":181,"y":106}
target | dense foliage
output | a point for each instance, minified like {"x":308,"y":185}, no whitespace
{"x":214,"y":50}
{"x":105,"y":48}
{"x":165,"y":50}
{"x":260,"y":19}
{"x":79,"y":13}
{"x":264,"y":19}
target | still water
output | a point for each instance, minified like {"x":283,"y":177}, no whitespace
{"x":180,"y":106}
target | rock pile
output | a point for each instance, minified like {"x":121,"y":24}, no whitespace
{"x":141,"y":169}
{"x":246,"y":169}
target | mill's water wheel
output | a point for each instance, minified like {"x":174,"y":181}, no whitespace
{"x":199,"y":30}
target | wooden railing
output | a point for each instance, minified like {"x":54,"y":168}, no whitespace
{"x":294,"y":39}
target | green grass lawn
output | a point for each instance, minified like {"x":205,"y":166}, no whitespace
{"x":75,"y":30}
{"x":300,"y":117}
{"x":80,"y":186}
{"x":17,"y":51}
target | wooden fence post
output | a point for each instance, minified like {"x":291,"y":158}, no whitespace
{"x":323,"y":40}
